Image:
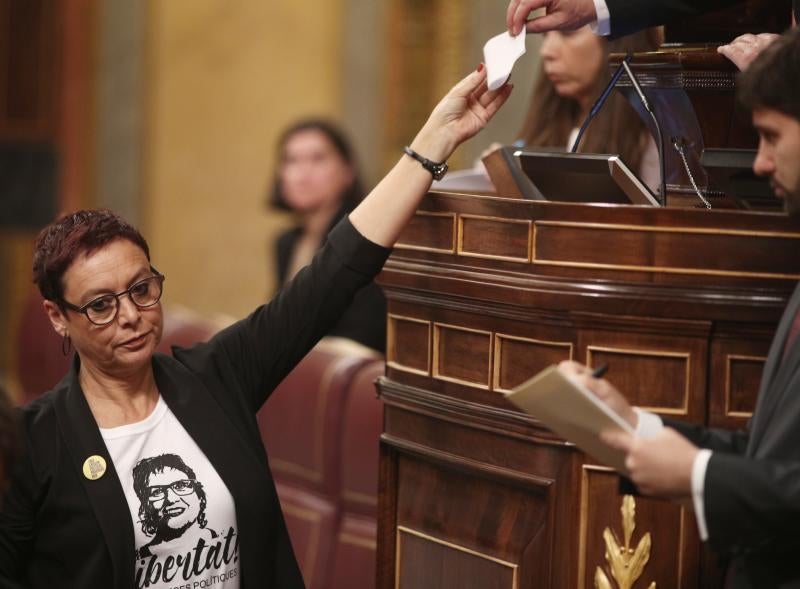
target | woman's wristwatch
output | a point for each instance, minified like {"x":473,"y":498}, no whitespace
{"x":437,"y":170}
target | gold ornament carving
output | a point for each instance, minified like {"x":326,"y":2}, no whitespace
{"x":625,"y":563}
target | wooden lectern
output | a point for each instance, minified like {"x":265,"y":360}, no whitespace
{"x":484,"y":292}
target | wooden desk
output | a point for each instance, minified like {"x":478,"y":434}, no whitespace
{"x":484,"y":292}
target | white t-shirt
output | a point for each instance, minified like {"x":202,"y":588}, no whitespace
{"x":183,"y":515}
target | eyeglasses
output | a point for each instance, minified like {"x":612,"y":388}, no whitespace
{"x":182,"y":487}
{"x":103,"y":310}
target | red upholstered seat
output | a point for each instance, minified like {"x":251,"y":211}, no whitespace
{"x":354,"y":553}
{"x":184,"y":328}
{"x":303,"y":426}
{"x":40,"y":362}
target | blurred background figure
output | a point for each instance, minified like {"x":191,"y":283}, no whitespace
{"x":317,"y":179}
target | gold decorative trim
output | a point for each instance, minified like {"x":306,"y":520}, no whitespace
{"x":663,"y":269}
{"x":391,"y":342}
{"x":728,"y":361}
{"x":681,"y":538}
{"x":684,"y":408}
{"x":435,"y":364}
{"x":353,"y":540}
{"x":673,"y":229}
{"x":583,"y":524}
{"x":361,"y":498}
{"x":669,"y":270}
{"x":314,"y":519}
{"x":424,"y":248}
{"x":583,"y":519}
{"x":460,"y":238}
{"x":626,"y":564}
{"x":497,"y":360}
{"x":287,"y":466}
{"x":398,"y":554}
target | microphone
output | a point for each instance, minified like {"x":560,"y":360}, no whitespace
{"x":660,"y":137}
{"x":598,"y":104}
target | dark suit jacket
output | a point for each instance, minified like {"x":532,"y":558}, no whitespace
{"x":629,"y":16}
{"x":58,"y":529}
{"x":752,"y":486}
{"x":364,"y":320}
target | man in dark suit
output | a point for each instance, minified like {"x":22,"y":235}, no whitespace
{"x":623,"y":17}
{"x":744,"y":486}
{"x":615,"y":17}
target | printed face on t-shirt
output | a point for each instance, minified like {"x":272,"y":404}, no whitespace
{"x":174,"y":496}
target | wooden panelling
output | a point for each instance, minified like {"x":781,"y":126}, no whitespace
{"x":660,"y":294}
{"x":462,"y":355}
{"x":671,"y":250}
{"x":742,"y":381}
{"x":493,"y":238}
{"x":426,"y":562}
{"x":670,"y":528}
{"x":654,"y":380}
{"x":435,"y":232}
{"x":447,"y":537}
{"x":28,"y":70}
{"x":408,"y":344}
{"x":516,"y":359}
{"x":737,"y":365}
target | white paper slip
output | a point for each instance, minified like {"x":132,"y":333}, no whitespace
{"x":499,"y":54}
{"x":570,"y":410}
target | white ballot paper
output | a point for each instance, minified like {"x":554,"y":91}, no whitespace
{"x":499,"y":54}
{"x":573,"y":412}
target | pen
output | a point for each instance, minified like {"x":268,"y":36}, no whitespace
{"x":600,"y":371}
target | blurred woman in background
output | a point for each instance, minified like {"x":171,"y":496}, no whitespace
{"x":317,"y":179}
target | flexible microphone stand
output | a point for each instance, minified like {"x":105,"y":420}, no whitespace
{"x":660,"y":136}
{"x":598,"y":104}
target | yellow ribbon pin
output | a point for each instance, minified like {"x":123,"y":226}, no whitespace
{"x":94,"y":467}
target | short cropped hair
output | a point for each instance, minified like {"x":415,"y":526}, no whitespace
{"x":773,"y":79}
{"x":59,"y":244}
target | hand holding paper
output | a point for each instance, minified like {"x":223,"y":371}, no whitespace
{"x":601,"y":388}
{"x":661,"y":465}
{"x":500,"y":53}
{"x":573,"y":412}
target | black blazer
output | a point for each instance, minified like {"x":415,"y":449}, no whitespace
{"x":752,"y":486}
{"x":629,"y":16}
{"x":364,"y":320}
{"x":58,"y":529}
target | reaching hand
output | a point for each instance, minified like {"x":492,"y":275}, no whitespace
{"x":464,"y":111}
{"x":560,"y":15}
{"x":603,"y":389}
{"x":660,"y":466}
{"x":745,"y":48}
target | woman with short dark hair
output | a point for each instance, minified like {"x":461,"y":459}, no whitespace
{"x":71,"y":517}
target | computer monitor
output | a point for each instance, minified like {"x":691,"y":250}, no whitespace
{"x":583,"y":177}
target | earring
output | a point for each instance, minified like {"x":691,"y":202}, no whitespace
{"x":66,"y":345}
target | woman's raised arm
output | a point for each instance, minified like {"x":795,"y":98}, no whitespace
{"x":464,"y":111}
